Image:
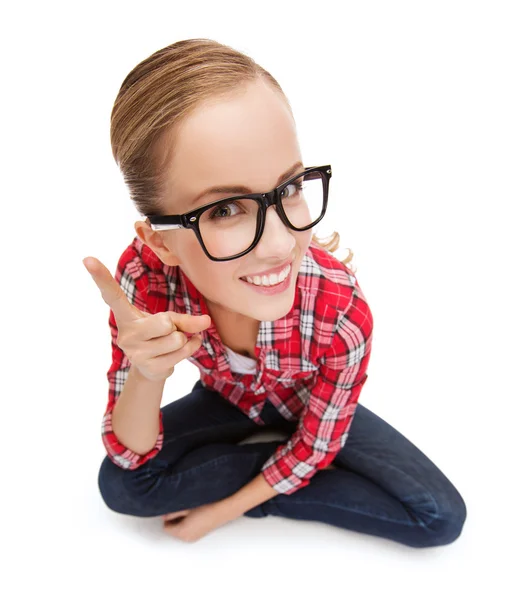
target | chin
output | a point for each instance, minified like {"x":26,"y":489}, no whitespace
{"x":270,"y":310}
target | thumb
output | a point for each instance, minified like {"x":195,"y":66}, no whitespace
{"x":190,"y":323}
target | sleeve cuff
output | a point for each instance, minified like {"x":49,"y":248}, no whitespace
{"x":285,"y":473}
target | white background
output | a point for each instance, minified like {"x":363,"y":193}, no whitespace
{"x":415,"y":106}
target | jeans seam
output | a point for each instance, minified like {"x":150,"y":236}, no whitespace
{"x":355,"y":510}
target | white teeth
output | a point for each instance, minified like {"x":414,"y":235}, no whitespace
{"x":271,"y":279}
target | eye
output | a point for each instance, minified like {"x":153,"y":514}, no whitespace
{"x":296,"y":186}
{"x":216,"y":212}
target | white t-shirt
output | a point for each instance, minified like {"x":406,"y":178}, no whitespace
{"x":240,"y":363}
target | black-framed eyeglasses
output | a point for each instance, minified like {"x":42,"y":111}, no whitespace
{"x":225,"y":236}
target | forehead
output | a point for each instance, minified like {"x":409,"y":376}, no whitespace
{"x":247,"y":139}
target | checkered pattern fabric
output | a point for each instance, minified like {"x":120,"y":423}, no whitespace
{"x":312,"y":362}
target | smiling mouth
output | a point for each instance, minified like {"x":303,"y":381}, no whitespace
{"x":269,"y":280}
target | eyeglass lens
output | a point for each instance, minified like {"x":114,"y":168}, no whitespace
{"x":229,"y":228}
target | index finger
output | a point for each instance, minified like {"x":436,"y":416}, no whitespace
{"x":111,"y":291}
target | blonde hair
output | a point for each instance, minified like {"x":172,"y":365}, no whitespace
{"x":158,"y":94}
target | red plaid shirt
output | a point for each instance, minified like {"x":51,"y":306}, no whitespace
{"x":311,"y":363}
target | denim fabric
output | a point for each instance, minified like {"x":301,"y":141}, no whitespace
{"x":382,"y":485}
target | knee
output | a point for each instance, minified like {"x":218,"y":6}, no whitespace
{"x":448,"y":523}
{"x":114,"y":491}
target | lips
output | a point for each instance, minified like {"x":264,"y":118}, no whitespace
{"x":271,"y":290}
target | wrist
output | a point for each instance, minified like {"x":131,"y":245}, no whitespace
{"x":228,"y":509}
{"x":138,"y":376}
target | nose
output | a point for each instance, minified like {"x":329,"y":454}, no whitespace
{"x":277,"y":238}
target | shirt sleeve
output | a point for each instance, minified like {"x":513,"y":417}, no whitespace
{"x":330,"y":406}
{"x":133,"y":280}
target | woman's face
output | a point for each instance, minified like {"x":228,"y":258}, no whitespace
{"x":248,"y":140}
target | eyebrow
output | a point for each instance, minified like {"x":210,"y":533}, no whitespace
{"x":241,"y":189}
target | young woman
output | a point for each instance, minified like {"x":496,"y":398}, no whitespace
{"x":224,"y":271}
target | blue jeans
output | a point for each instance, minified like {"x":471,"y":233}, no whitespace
{"x":382,"y":485}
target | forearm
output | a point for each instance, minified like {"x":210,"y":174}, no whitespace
{"x":135,"y":417}
{"x":253,"y":493}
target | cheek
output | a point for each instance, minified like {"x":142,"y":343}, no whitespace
{"x":194,"y":255}
{"x":210,"y":277}
{"x":303,"y":240}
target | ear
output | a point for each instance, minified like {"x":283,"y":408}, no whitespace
{"x":155,"y":241}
